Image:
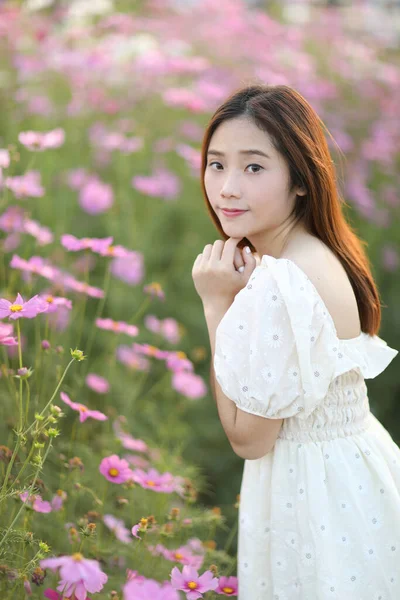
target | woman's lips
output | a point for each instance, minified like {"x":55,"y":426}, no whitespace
{"x":233,"y":213}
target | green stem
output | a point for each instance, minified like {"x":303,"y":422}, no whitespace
{"x":55,"y":392}
{"x":28,"y":398}
{"x":21,"y":416}
{"x":7,"y":533}
{"x":10,"y":464}
{"x":100,"y":307}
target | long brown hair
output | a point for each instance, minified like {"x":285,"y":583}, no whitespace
{"x":298,"y":135}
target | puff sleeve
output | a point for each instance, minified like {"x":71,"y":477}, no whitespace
{"x":276,"y":349}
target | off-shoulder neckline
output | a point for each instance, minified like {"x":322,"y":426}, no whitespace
{"x":343,"y":340}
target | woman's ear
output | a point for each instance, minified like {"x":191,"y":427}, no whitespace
{"x":301,"y":192}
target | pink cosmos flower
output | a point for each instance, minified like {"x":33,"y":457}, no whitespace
{"x":43,"y":235}
{"x":227,"y":586}
{"x":117,"y":326}
{"x":12,"y":219}
{"x":96,"y":197}
{"x":162,"y":184}
{"x":54,"y":302}
{"x":137,"y":461}
{"x":97,"y":383}
{"x":53,"y":595}
{"x":35,"y":140}
{"x":77,"y":177}
{"x":58,"y":500}
{"x":36,"y":503}
{"x":152,"y":480}
{"x":84,"y":412}
{"x":128,"y":268}
{"x":79,"y":286}
{"x":6,"y":337}
{"x":4,"y":158}
{"x":25,"y":186}
{"x":36,"y":265}
{"x":115,"y":469}
{"x":143,"y":590}
{"x":184,"y":556}
{"x":20,"y":308}
{"x":128,"y":442}
{"x":74,"y":244}
{"x":189,"y":384}
{"x":117,"y":526}
{"x":78,"y":575}
{"x":191,"y":583}
{"x":154,"y":289}
{"x":131,"y":359}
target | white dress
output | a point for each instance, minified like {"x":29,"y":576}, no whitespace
{"x":319,"y":515}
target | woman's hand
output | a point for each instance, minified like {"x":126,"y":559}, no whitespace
{"x":215,"y":273}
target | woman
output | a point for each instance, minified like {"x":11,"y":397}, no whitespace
{"x":293,"y":331}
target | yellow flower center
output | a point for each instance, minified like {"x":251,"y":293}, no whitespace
{"x":82,"y":408}
{"x":59,"y":492}
{"x":77,"y":556}
{"x":227,"y":590}
{"x":181,"y":355}
{"x":150,"y":482}
{"x":143,"y":522}
{"x":192,"y":585}
{"x":115,"y":326}
{"x":113,"y":472}
{"x":178,"y":555}
{"x":49,"y":299}
{"x":16,"y":307}
{"x":110,"y":250}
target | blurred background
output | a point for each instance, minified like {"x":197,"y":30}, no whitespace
{"x":132,"y":84}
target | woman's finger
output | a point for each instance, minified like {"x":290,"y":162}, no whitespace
{"x":238,"y":259}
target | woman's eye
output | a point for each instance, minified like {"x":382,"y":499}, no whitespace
{"x":252,"y":165}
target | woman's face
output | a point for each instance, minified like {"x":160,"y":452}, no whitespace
{"x":252,"y":182}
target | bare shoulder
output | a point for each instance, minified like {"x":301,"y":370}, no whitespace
{"x":331,"y":281}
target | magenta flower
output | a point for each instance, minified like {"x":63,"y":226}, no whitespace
{"x":117,"y":326}
{"x":97,"y":383}
{"x":152,"y":480}
{"x":36,"y":503}
{"x":129,"y":442}
{"x":13,"y":219}
{"x":137,"y":461}
{"x":84,"y":412}
{"x":78,"y":575}
{"x":58,"y":500}
{"x":95,"y":196}
{"x":35,"y":140}
{"x":25,"y":186}
{"x":117,"y":526}
{"x":53,"y":595}
{"x":74,"y":244}
{"x":4,"y":158}
{"x":115,"y":469}
{"x":191,"y":583}
{"x":6,"y":337}
{"x":184,"y":556}
{"x":54,"y":302}
{"x":227,"y":586}
{"x":129,"y":268}
{"x":149,"y":588}
{"x":42,"y":234}
{"x":19,"y":308}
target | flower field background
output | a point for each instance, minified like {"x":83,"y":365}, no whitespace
{"x":116,"y":478}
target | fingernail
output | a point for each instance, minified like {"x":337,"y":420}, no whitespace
{"x":241,"y":269}
{"x":247,"y":249}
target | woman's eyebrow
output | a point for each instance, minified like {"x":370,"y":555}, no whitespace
{"x":246,"y":152}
